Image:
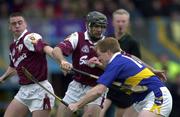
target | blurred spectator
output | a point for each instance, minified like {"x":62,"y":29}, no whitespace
{"x":175,"y":24}
{"x":98,"y":5}
{"x":78,"y":8}
{"x":4,"y":12}
{"x":157,"y":9}
{"x":83,"y":7}
{"x":144,"y":6}
{"x":49,"y":11}
{"x":110,"y":6}
{"x":171,"y":67}
{"x":17,"y":5}
{"x":31,"y":9}
{"x":69,"y":9}
{"x":152,"y":8}
{"x":130,"y":7}
{"x":65,"y":5}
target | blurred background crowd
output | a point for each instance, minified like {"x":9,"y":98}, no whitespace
{"x":155,"y":24}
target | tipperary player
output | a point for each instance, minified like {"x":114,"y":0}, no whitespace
{"x":150,"y":96}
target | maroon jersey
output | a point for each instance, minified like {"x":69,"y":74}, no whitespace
{"x":82,"y":50}
{"x":27,"y":51}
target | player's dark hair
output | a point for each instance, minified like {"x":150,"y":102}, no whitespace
{"x":15,"y":14}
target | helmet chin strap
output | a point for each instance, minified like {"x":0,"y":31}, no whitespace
{"x":93,"y":38}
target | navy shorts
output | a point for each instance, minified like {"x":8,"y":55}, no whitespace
{"x":119,"y":98}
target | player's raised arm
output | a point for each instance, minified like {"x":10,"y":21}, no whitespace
{"x":58,"y":55}
{"x":48,"y":50}
{"x":34,"y":42}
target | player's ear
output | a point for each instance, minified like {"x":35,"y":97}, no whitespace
{"x":109,"y":52}
{"x":25,"y":23}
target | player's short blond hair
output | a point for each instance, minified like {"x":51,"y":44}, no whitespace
{"x":120,"y":12}
{"x":109,"y":43}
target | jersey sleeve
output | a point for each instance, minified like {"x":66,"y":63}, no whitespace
{"x":11,"y":62}
{"x":34,"y":42}
{"x":110,"y":74}
{"x":69,"y":44}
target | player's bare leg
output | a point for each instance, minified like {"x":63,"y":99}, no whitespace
{"x":106,"y":105}
{"x":145,"y":113}
{"x":130,"y":112}
{"x":119,"y":112}
{"x":41,"y":113}
{"x":63,"y":111}
{"x":16,"y":109}
{"x":92,"y":110}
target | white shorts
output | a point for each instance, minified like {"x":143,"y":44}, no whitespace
{"x":76,"y":91}
{"x":149,"y":104}
{"x":35,"y":97}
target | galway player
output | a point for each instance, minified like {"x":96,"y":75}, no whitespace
{"x":28,"y":50}
{"x":81,"y":46}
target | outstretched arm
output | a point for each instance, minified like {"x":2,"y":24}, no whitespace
{"x":91,"y":95}
{"x":9,"y":72}
{"x":48,"y":50}
{"x":58,"y":55}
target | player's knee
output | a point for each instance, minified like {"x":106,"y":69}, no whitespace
{"x":92,"y":111}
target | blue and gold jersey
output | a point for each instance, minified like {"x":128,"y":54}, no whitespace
{"x":131,"y":73}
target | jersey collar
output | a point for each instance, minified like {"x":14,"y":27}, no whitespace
{"x":117,"y":53}
{"x":88,"y":38}
{"x":21,"y":35}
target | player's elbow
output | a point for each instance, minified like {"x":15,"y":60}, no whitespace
{"x":101,"y":89}
{"x":55,"y":50}
{"x":96,"y":93}
{"x":99,"y":93}
{"x":48,"y":50}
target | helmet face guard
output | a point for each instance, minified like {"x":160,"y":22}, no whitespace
{"x":95,"y":19}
